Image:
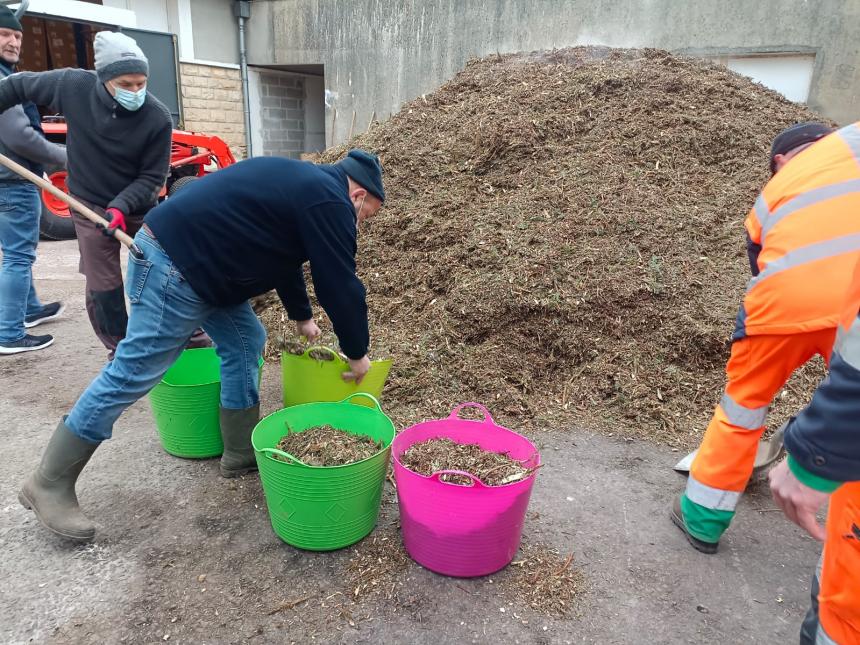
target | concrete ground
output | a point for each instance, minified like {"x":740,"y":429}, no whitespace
{"x":185,"y":556}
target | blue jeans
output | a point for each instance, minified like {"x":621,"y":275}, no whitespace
{"x":164,"y":313}
{"x":20,"y":209}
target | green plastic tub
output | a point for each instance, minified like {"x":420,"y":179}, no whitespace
{"x":186,"y":405}
{"x":309,"y":380}
{"x":322,"y":508}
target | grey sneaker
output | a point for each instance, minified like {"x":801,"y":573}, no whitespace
{"x":50,"y":311}
{"x":26,"y":344}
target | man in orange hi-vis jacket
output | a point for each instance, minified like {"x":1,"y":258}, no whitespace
{"x":804,"y":232}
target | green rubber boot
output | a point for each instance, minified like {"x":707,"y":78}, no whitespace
{"x":236,"y":427}
{"x":50,"y":490}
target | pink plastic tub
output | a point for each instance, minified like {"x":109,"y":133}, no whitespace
{"x":463,"y":531}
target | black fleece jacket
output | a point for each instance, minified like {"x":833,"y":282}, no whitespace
{"x":117,"y":158}
{"x":249,"y":228}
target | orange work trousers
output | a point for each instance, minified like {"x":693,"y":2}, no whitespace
{"x":758,"y":368}
{"x":839,"y":583}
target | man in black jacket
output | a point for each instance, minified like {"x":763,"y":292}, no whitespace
{"x":232,"y":235}
{"x":21,"y":139}
{"x":118,"y":144}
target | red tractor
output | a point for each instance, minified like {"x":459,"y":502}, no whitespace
{"x":192,"y":155}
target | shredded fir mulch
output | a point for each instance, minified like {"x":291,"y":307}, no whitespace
{"x":562,"y":240}
{"x":492,"y":468}
{"x":327,"y":446}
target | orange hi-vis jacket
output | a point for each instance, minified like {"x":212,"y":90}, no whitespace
{"x":808,"y":227}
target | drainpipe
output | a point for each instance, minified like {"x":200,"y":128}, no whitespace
{"x":22,"y":8}
{"x":242,"y":11}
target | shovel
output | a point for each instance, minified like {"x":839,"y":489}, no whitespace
{"x":768,"y":452}
{"x":96,"y":219}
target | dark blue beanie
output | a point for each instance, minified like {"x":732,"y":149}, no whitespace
{"x":795,"y":136}
{"x":9,"y":20}
{"x":364,"y":169}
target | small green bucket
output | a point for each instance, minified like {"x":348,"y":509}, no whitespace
{"x":309,"y":380}
{"x":322,"y":508}
{"x":186,"y":405}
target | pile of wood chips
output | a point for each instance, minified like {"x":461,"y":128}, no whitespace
{"x":563,"y":240}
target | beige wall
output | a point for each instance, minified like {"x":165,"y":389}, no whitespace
{"x":212,"y":103}
{"x":380,"y":54}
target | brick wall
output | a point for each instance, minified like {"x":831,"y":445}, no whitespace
{"x":283,"y":114}
{"x":212,"y":103}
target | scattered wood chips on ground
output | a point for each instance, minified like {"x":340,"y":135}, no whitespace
{"x":542,"y":579}
{"x":377,"y":565}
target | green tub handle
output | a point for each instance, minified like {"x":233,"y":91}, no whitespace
{"x":366,"y":395}
{"x":337,"y":357}
{"x":274,"y":451}
{"x":488,"y":418}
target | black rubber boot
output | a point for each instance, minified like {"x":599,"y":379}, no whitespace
{"x":236,"y":426}
{"x":50,"y":490}
{"x":700,"y":545}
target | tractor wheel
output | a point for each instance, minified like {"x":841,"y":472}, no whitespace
{"x":56,"y":222}
{"x":179,"y":184}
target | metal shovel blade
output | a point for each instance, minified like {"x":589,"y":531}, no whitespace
{"x":767,"y":453}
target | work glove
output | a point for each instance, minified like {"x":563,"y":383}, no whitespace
{"x":116,"y":220}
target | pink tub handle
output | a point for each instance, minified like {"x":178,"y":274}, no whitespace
{"x":365,"y":395}
{"x":488,"y":418}
{"x":476,"y":483}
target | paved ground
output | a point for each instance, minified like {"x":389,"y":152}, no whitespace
{"x":186,"y":556}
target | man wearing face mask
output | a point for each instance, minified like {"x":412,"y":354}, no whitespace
{"x":119,"y":154}
{"x":22,"y":139}
{"x":228,"y":237}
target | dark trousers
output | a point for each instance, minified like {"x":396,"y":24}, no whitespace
{"x":105,"y":295}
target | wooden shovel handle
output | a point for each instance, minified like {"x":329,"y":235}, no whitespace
{"x":94,"y":217}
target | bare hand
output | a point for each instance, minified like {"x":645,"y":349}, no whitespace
{"x":799,"y":502}
{"x":358,"y":368}
{"x":308,"y":329}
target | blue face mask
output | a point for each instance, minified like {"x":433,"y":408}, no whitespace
{"x":130,"y":100}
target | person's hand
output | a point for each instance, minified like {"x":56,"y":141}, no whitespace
{"x":308,"y":329}
{"x":116,"y":219}
{"x":358,"y":369}
{"x":799,"y":502}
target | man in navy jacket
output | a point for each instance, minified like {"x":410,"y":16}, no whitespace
{"x":823,"y":465}
{"x":234,"y":234}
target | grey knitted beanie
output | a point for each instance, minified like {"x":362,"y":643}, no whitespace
{"x":117,"y":54}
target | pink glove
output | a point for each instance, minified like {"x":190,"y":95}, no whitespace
{"x":115,"y":219}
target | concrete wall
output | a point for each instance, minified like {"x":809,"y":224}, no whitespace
{"x":282,"y":114}
{"x":212,"y":101}
{"x":379,"y":53}
{"x":315,"y":114}
{"x":287,"y":112}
